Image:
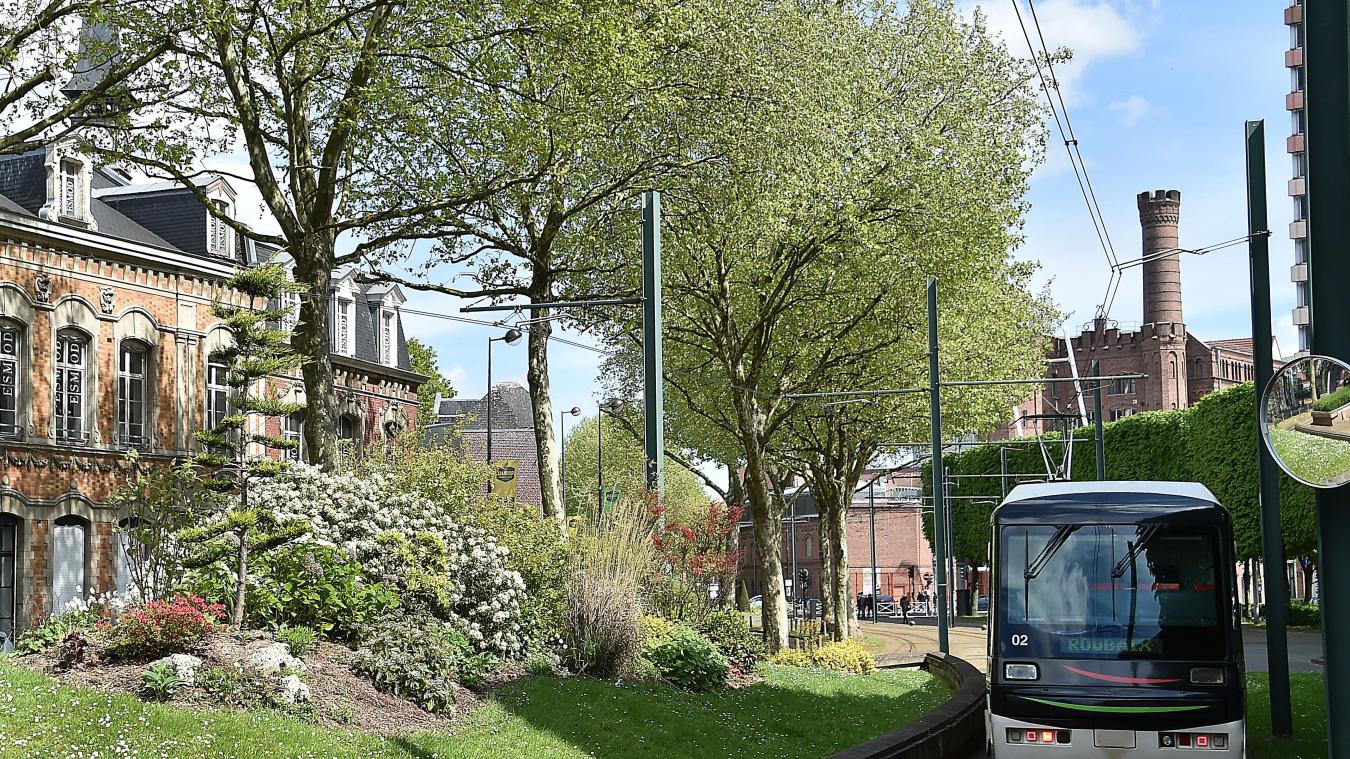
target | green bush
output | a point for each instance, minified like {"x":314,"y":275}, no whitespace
{"x":656,"y":629}
{"x":421,"y":659}
{"x":53,"y":631}
{"x":643,"y":671}
{"x":160,"y":682}
{"x":688,"y":660}
{"x":1332,"y":401}
{"x":848,"y":656}
{"x":730,"y":632}
{"x":1304,"y":614}
{"x":297,"y":639}
{"x":307,"y":585}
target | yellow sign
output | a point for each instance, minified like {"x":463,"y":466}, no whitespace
{"x":504,"y":482}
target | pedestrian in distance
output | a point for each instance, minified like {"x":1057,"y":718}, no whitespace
{"x":904,"y":609}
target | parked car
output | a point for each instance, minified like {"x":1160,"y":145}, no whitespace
{"x":982,"y":604}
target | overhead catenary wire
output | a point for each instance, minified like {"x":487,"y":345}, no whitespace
{"x":523,"y":326}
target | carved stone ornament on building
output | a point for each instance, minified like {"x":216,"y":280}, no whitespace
{"x":106,"y":299}
{"x":42,"y":287}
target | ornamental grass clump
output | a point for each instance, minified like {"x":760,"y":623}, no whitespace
{"x":602,"y":605}
{"x":157,"y":628}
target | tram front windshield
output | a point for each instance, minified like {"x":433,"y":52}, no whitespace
{"x":1110,"y":592}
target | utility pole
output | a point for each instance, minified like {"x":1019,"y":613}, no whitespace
{"x":939,"y":490}
{"x":872,"y":520}
{"x":654,"y":420}
{"x":1272,"y":539}
{"x":1327,"y":51}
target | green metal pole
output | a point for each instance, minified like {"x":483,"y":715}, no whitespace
{"x":652,"y":369}
{"x":1272,"y":540}
{"x":939,"y":484}
{"x":1097,"y":419}
{"x":1327,"y":51}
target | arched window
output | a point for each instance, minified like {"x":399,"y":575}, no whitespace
{"x":72,"y":349}
{"x":10,"y":371}
{"x":217,"y":394}
{"x":292,"y":429}
{"x":69,"y":538}
{"x":132,"y":411}
{"x":9,"y":556}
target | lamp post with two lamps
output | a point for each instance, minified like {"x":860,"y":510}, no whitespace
{"x":562,"y":453}
{"x":511,"y":337}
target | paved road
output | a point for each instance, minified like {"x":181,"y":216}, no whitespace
{"x":968,"y":642}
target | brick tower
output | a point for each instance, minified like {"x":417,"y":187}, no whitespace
{"x":1164,"y":328}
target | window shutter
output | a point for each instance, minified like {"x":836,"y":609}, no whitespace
{"x":122,"y":562}
{"x":67,"y":564}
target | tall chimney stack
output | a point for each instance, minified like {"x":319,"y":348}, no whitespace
{"x":1159,"y":212}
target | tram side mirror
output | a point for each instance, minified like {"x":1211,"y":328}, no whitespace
{"x":1305,"y":420}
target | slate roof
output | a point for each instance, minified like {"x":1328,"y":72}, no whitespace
{"x":1240,"y":345}
{"x":511,"y":409}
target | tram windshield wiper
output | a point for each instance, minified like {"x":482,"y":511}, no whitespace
{"x":1057,"y":541}
{"x":1146,"y":534}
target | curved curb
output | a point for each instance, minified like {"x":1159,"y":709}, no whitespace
{"x":954,"y":729}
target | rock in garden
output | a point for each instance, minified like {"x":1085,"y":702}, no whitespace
{"x":184,"y":666}
{"x":292,"y":690}
{"x":273,"y":659}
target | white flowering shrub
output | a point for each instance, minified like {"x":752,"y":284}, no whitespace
{"x":459,"y":572}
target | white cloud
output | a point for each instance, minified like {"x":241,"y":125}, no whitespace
{"x":1132,"y":109}
{"x":1093,"y":29}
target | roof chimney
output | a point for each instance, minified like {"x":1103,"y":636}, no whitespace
{"x":1159,"y":212}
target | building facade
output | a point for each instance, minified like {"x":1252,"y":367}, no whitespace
{"x":464,"y":421}
{"x":1298,"y":190}
{"x":887,"y":515}
{"x":1181,"y":368}
{"x":105,"y":342}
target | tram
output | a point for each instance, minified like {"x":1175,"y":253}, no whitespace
{"x":1115,"y":627}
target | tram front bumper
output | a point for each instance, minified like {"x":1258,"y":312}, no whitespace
{"x":1013,"y":739}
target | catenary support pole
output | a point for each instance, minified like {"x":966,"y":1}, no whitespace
{"x":1272,"y":539}
{"x":1097,"y":419}
{"x":1327,"y":52}
{"x":654,"y":420}
{"x":872,"y":529}
{"x":599,"y":462}
{"x":939,"y":489}
{"x":1003,"y":469}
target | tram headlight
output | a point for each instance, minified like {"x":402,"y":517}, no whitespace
{"x":1021,"y":672}
{"x":1207,"y":675}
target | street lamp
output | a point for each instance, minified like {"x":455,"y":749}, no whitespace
{"x":612,"y":406}
{"x":511,"y":337}
{"x":562,"y":453}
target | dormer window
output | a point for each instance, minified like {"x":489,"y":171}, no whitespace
{"x":218,"y":232}
{"x":387,"y":337}
{"x":68,"y":178}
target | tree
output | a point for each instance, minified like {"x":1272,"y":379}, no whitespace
{"x":590,"y":108}
{"x":236,"y":445}
{"x":332,"y":104}
{"x":865,"y":151}
{"x":625,"y":469}
{"x":62,"y":65}
{"x":422,"y":357}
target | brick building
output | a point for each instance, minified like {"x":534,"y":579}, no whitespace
{"x":1181,"y":367}
{"x":105,"y":334}
{"x":1298,"y":189}
{"x":903,"y":556}
{"x":464,"y":421}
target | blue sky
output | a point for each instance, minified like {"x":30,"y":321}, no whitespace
{"x":1158,"y":93}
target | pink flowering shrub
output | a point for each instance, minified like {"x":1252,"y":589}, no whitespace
{"x":157,"y":628}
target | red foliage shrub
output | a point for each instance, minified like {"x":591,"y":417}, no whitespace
{"x":157,"y":628}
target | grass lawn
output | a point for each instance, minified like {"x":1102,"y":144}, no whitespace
{"x":1313,"y":458}
{"x":1310,"y":718}
{"x":794,"y":713}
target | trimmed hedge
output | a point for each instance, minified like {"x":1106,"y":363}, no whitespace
{"x":1333,"y":401}
{"x":1212,"y":442}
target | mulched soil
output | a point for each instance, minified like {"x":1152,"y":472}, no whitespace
{"x":340,"y":696}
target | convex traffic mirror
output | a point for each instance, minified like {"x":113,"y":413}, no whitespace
{"x":1305,"y":420}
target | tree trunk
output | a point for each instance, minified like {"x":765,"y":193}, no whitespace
{"x":546,"y":445}
{"x":767,"y":519}
{"x":240,"y":583}
{"x":827,"y":606}
{"x":310,"y":340}
{"x":832,"y":500}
